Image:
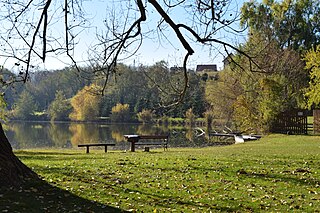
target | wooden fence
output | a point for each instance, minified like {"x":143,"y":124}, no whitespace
{"x":291,"y":122}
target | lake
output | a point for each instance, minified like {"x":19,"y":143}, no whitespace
{"x":29,"y":135}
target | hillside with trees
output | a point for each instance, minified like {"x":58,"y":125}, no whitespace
{"x":60,"y":95}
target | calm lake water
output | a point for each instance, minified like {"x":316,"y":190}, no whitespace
{"x":26,"y":135}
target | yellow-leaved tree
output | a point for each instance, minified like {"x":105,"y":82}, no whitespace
{"x":85,"y":104}
{"x":312,"y":93}
{"x":121,"y":113}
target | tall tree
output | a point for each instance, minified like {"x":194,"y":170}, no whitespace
{"x":253,"y":98}
{"x":221,"y":94}
{"x":287,"y":28}
{"x":25,"y":106}
{"x":312,"y":59}
{"x":292,"y":23}
{"x":86,"y":104}
{"x":60,"y":108}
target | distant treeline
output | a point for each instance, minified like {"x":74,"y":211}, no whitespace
{"x":134,"y":94}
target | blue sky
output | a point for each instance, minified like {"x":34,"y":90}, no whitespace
{"x":151,"y":51}
{"x":170,"y":50}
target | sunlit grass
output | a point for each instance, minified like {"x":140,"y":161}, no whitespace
{"x":276,"y":174}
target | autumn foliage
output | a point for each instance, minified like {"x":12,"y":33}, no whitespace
{"x":120,"y":113}
{"x":85,"y":104}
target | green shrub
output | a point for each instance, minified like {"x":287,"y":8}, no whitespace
{"x":146,"y":116}
{"x":120,"y":113}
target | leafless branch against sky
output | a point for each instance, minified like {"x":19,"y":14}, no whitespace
{"x":79,"y":34}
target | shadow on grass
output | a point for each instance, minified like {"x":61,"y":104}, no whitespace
{"x":297,"y":180}
{"x":40,"y":196}
{"x":171,"y":202}
{"x":58,"y":156}
{"x":27,"y":153}
{"x":61,"y":156}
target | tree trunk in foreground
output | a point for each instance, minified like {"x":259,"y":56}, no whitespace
{"x":12,"y":171}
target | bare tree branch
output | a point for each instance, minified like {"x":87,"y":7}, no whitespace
{"x":44,"y":14}
{"x":122,"y":36}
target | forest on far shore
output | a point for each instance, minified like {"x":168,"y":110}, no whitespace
{"x":135,"y":93}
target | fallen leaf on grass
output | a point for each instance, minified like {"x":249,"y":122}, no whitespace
{"x":302,"y":170}
{"x":242,"y":172}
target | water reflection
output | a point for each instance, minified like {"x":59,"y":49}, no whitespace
{"x":60,"y":135}
{"x":24,"y":135}
{"x":82,"y":133}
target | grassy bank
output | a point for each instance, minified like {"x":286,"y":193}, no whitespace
{"x":278,"y":173}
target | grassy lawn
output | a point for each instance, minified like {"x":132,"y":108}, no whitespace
{"x":279,"y":173}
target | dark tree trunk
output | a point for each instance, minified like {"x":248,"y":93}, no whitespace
{"x":12,"y":171}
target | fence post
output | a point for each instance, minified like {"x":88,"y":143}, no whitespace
{"x":316,"y":121}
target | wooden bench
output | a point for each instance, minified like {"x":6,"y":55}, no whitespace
{"x":97,"y":144}
{"x":135,"y":140}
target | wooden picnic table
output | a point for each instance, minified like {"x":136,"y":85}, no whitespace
{"x":134,"y":139}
